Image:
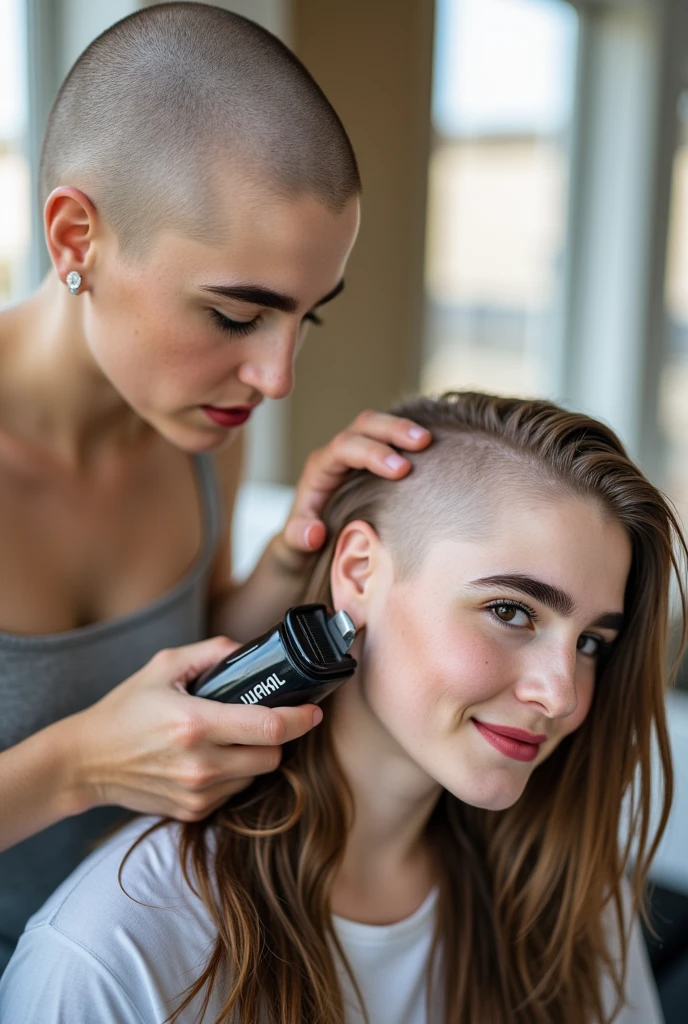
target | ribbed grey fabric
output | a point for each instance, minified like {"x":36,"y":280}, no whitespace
{"x":45,"y":678}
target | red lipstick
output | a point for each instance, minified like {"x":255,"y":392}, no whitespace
{"x":515,"y":743}
{"x":230,"y":417}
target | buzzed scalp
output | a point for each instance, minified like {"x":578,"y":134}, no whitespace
{"x":173,"y":96}
{"x":458,"y":488}
{"x":489,"y":456}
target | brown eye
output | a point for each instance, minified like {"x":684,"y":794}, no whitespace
{"x":511,"y":614}
{"x":590,"y":645}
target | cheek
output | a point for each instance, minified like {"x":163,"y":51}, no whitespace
{"x":428,"y":668}
{"x":147,"y":350}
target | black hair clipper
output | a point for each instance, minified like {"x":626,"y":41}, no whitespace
{"x":299,"y":661}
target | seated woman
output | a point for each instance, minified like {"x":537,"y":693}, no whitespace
{"x":444,"y":847}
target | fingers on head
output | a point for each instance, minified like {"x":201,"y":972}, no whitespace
{"x":397,"y":430}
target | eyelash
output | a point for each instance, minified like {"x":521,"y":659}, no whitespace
{"x":530,"y":612}
{"x":242,"y":328}
{"x":604,"y":647}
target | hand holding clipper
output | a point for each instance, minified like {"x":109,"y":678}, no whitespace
{"x":299,"y":661}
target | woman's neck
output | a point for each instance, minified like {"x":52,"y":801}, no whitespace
{"x":387,"y":870}
{"x":54,"y":397}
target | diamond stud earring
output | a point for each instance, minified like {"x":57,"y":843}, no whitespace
{"x":73,"y":282}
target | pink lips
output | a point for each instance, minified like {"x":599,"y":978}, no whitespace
{"x":232,"y":417}
{"x":515,"y":743}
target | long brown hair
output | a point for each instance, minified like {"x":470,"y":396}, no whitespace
{"x":529,"y":894}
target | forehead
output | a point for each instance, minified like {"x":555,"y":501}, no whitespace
{"x":569,"y":543}
{"x":244,"y":216}
{"x":294,"y":246}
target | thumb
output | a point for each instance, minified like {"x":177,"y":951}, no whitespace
{"x":177,"y":666}
{"x":303,"y":534}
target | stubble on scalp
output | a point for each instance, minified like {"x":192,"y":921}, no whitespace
{"x":463,"y":487}
{"x":175,"y":98}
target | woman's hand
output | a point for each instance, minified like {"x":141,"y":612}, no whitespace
{"x":150,"y":746}
{"x":278,"y":580}
{"x":363,"y":445}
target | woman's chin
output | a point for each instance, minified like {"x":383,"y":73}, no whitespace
{"x":489,"y":794}
{"x":192,"y":439}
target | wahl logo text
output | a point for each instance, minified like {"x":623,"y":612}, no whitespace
{"x":271,"y":684}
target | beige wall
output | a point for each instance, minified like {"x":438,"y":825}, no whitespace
{"x":373,"y":58}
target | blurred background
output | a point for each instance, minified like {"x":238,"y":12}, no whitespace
{"x":525,"y":230}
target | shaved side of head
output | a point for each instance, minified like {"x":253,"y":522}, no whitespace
{"x":177,"y":98}
{"x":473,"y":476}
{"x":460,"y":488}
{"x":468,"y":482}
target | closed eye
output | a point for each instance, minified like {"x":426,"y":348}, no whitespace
{"x":242,"y":328}
{"x":238,"y":327}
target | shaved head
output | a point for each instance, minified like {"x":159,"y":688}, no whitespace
{"x":175,"y":102}
{"x":460,"y":487}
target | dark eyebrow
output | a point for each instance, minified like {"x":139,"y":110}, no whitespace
{"x":259,"y":296}
{"x":610,"y":620}
{"x":558,"y":600}
{"x":337,"y":290}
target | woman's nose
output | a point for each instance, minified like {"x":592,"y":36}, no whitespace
{"x":549,"y":679}
{"x":269,"y":364}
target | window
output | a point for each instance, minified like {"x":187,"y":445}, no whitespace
{"x":674,"y":381}
{"x":498,"y":183}
{"x":15,"y":187}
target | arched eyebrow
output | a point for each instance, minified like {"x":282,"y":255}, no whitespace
{"x":259,"y":296}
{"x":552,"y":597}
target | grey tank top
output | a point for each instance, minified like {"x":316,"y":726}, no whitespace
{"x":45,"y":678}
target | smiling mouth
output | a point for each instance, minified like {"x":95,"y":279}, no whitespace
{"x":511,"y":742}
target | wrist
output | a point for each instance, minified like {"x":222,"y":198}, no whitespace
{"x":74,"y":794}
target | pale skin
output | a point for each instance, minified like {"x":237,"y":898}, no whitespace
{"x":440,"y":651}
{"x":100,"y":409}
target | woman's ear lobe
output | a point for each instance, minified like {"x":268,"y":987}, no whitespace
{"x":354,"y":564}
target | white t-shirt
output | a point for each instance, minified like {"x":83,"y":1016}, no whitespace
{"x":93,"y":955}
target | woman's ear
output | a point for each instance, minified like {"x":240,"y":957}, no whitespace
{"x":359,"y":556}
{"x":70,"y":225}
